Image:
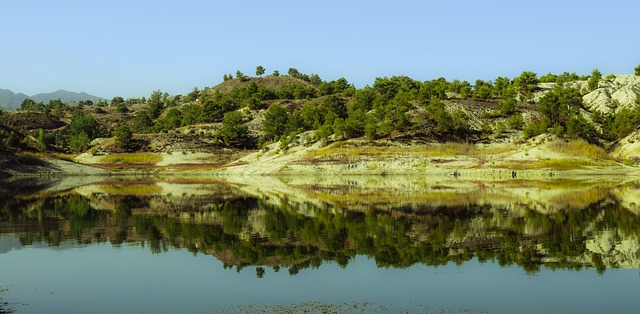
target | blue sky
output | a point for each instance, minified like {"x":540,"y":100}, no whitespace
{"x":130,"y":48}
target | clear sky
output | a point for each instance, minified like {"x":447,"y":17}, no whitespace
{"x":130,"y":48}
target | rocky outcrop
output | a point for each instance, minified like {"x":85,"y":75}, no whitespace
{"x":621,"y":92}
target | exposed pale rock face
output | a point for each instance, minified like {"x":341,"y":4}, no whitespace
{"x":624,"y":89}
{"x":626,"y":95}
{"x":599,"y":99}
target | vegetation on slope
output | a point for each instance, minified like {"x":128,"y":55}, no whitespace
{"x":249,"y":112}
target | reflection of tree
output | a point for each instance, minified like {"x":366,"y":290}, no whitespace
{"x":245,"y":231}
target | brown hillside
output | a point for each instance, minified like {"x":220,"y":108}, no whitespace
{"x":273,"y":82}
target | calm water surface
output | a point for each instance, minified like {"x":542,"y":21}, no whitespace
{"x":278,"y":245}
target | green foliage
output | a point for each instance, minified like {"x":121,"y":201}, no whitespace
{"x":324,"y":131}
{"x":620,"y":124}
{"x":484,"y":92}
{"x":155,"y":104}
{"x":516,"y":122}
{"x":123,"y":137}
{"x":213,"y":109}
{"x":333,"y":104}
{"x":234,"y":132}
{"x":548,"y":78}
{"x":79,"y":142}
{"x":171,"y":120}
{"x":42,"y":145}
{"x":637,"y":70}
{"x":83,"y":123}
{"x":455,"y":122}
{"x":115,"y":101}
{"x":560,"y":104}
{"x":275,"y":73}
{"x":10,"y":139}
{"x":534,"y":128}
{"x":122,"y":107}
{"x":194,"y":94}
{"x":311,"y":117}
{"x":275,"y":121}
{"x":594,"y":80}
{"x":578,"y":126}
{"x":142,"y":123}
{"x":527,"y":82}
{"x":260,"y":70}
{"x":29,"y":104}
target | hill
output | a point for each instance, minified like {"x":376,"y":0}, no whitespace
{"x":271,"y":82}
{"x":11,"y":100}
{"x":65,"y":96}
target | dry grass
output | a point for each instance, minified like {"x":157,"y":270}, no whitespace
{"x":350,"y":149}
{"x":556,"y":164}
{"x":134,"y":158}
{"x":579,"y":148}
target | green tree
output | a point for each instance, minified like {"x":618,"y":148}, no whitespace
{"x":171,"y":120}
{"x":311,"y":116}
{"x":527,"y":82}
{"x":142,"y":123}
{"x":275,"y":121}
{"x":193,"y":95}
{"x":123,"y":137}
{"x":233,"y":131}
{"x":42,"y":145}
{"x":637,"y":70}
{"x":83,"y":123}
{"x":79,"y":142}
{"x":29,"y":104}
{"x":559,"y":104}
{"x":260,"y":70}
{"x":276,"y":73}
{"x":240,"y":75}
{"x":484,"y":92}
{"x":122,"y":107}
{"x":594,"y":80}
{"x":155,"y":104}
{"x":116,"y":100}
{"x":333,"y":104}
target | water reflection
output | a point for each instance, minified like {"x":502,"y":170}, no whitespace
{"x":299,"y":223}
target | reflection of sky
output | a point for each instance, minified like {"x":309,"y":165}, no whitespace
{"x":9,"y":242}
{"x":100,"y":278}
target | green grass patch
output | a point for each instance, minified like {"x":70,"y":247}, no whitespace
{"x":134,"y":158}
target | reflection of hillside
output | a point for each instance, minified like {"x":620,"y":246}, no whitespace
{"x":299,"y":224}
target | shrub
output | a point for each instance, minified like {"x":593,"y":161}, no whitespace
{"x":123,"y":137}
{"x":516,"y":122}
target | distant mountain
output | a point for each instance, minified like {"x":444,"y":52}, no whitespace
{"x":65,"y":96}
{"x":11,"y":100}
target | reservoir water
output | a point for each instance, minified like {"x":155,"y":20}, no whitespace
{"x":320,"y":245}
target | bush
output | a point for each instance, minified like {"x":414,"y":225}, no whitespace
{"x":516,"y":122}
{"x":123,"y":137}
{"x":534,"y":128}
{"x":79,"y":142}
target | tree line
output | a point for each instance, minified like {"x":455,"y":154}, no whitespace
{"x":391,"y":107}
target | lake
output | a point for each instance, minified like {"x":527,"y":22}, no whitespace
{"x":319,"y":244}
